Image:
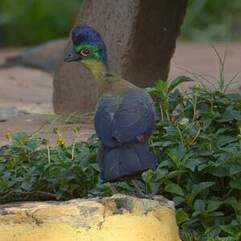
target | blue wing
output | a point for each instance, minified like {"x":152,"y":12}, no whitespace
{"x":103,"y":120}
{"x":135,"y":116}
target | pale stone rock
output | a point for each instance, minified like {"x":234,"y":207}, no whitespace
{"x":117,"y":218}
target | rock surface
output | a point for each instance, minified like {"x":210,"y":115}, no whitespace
{"x":117,"y":218}
{"x":46,"y":56}
{"x":140,"y":38}
{"x":74,"y":89}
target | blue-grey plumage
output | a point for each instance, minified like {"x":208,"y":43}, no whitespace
{"x":135,"y":116}
{"x":124,"y":117}
{"x":125,"y":161}
{"x":119,"y":122}
{"x":103,"y":120}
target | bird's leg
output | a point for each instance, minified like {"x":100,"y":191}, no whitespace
{"x":112,"y":188}
{"x":136,"y":186}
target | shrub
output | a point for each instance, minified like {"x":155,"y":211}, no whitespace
{"x":31,"y":170}
{"x":197,"y":141}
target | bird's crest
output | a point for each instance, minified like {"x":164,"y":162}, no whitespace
{"x":88,"y":36}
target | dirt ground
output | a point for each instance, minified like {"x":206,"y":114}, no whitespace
{"x":28,"y":90}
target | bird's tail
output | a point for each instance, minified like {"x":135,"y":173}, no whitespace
{"x":124,"y":161}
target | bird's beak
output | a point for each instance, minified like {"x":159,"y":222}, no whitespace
{"x":71,"y":56}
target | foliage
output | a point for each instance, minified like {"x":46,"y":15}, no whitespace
{"x":34,"y":21}
{"x":29,"y":165}
{"x":212,"y":20}
{"x":197,"y":141}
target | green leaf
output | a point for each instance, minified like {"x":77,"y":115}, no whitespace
{"x":224,"y":140}
{"x":181,"y":216}
{"x":179,"y":80}
{"x":234,"y":230}
{"x":160,"y":90}
{"x":198,"y":188}
{"x":177,"y":153}
{"x":154,"y":187}
{"x":192,"y":164}
{"x":213,"y":205}
{"x":174,"y":188}
{"x":233,"y":202}
{"x":148,"y":176}
{"x":199,"y":206}
{"x":26,"y":186}
{"x":230,"y":114}
{"x":235,"y":168}
{"x":178,"y":200}
{"x":177,"y":173}
{"x":235,"y":184}
{"x":220,"y":171}
{"x":222,"y":239}
{"x":162,"y":86}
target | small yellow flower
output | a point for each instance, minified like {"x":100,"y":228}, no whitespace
{"x":8,"y":136}
{"x":197,"y":86}
{"x":60,"y":139}
{"x":61,"y":142}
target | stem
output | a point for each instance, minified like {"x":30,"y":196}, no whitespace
{"x":194,"y":139}
{"x":228,"y":193}
{"x":178,"y":180}
{"x":180,"y":134}
{"x":168,"y":117}
{"x":161,"y":109}
{"x":72,"y":151}
{"x":73,"y":146}
{"x":49,"y":155}
{"x":194,"y":108}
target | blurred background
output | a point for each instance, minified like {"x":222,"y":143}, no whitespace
{"x":28,"y":22}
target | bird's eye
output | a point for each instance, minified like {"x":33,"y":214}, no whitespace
{"x":84,"y":52}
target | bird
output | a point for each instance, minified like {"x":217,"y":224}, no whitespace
{"x":124,"y":117}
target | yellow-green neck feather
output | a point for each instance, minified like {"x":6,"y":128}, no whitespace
{"x":99,"y":71}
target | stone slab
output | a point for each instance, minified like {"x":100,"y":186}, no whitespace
{"x":117,"y":218}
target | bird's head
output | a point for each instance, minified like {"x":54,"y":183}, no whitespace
{"x":88,"y":46}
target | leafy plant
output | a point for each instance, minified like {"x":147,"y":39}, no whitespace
{"x":198,"y":145}
{"x":30,"y":169}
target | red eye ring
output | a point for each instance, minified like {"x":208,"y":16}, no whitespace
{"x":84,"y":52}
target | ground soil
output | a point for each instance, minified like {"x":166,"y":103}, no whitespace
{"x":29,"y":90}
